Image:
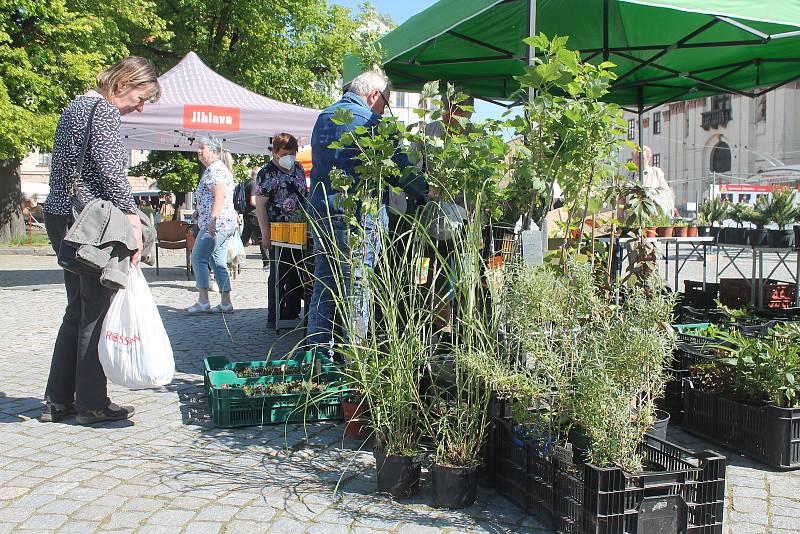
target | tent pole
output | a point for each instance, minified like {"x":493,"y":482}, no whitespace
{"x":531,"y":32}
{"x":640,"y":107}
{"x":605,"y":30}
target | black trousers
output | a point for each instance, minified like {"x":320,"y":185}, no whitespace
{"x":75,"y":371}
{"x":291,"y":288}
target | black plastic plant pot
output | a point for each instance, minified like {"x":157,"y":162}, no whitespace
{"x":454,"y":487}
{"x":781,"y":238}
{"x":703,"y":231}
{"x":735,"y":236}
{"x":715,"y":232}
{"x":397,"y":475}
{"x":757,"y":237}
{"x":797,"y":236}
{"x":659,"y":429}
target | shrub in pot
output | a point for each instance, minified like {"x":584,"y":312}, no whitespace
{"x":712,"y":213}
{"x":758,"y":217}
{"x":736,"y":235}
{"x":680,"y":229}
{"x":781,"y":210}
{"x":691,"y":230}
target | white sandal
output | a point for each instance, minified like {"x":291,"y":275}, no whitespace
{"x":221,"y":308}
{"x":199,"y":308}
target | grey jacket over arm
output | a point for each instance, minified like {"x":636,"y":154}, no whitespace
{"x":106,"y":241}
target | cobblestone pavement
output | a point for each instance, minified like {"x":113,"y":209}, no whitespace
{"x":168,"y":470}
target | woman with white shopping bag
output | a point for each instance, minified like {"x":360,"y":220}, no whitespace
{"x":134,"y":348}
{"x":93,"y":168}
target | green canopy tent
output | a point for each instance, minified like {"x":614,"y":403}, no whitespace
{"x":665,"y":50}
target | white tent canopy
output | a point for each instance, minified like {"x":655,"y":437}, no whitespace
{"x":196,"y":101}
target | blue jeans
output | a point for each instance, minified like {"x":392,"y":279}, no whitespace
{"x":207,"y":249}
{"x":332,"y":272}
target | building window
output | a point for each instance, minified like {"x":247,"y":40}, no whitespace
{"x":657,"y":160}
{"x":657,"y":122}
{"x":721,"y":112}
{"x":632,"y":129}
{"x":721,"y":158}
{"x":45,"y":158}
{"x":667,"y":114}
{"x":761,"y":108}
{"x":400,"y":99}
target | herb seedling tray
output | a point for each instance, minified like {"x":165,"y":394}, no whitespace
{"x":682,"y":491}
{"x":315,"y":365}
{"x":769,"y":434}
{"x":232,"y":407}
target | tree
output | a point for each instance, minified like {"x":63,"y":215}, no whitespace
{"x":50,"y":51}
{"x":239,"y":40}
{"x":289,"y":50}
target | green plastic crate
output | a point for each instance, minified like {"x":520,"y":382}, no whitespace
{"x":230,"y":407}
{"x":221,"y":363}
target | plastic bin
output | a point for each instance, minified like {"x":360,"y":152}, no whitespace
{"x":231,"y":407}
{"x":768,"y":433}
{"x":683,"y":492}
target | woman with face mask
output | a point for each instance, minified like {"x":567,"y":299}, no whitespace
{"x":280,"y":197}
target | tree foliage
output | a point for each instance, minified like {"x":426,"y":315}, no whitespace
{"x":51,"y":51}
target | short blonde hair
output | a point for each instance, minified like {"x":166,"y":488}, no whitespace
{"x":132,"y":70}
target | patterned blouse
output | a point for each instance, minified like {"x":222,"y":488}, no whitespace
{"x":227,"y":219}
{"x":104,"y":166}
{"x":285,"y":192}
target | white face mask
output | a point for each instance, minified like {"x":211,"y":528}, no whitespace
{"x":287,"y":162}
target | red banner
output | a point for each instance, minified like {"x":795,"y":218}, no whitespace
{"x":210,"y":118}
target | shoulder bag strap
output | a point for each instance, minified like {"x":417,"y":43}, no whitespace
{"x":76,"y":176}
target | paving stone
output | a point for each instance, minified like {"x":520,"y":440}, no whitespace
{"x":250,"y":527}
{"x":11,"y":493}
{"x":91,"y":512}
{"x":44,"y":522}
{"x":747,"y":505}
{"x":78,"y":527}
{"x":171,"y":517}
{"x":286,"y":526}
{"x":216,"y":513}
{"x":127,"y":519}
{"x":789,"y":523}
{"x":203,"y":527}
{"x":747,"y":528}
{"x":158,"y":529}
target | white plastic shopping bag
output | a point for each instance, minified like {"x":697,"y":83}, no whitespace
{"x":134,"y":347}
{"x":237,"y":255}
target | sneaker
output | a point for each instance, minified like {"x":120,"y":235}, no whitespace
{"x":112,"y":412}
{"x":199,"y":308}
{"x":222,"y":308}
{"x":54,"y":412}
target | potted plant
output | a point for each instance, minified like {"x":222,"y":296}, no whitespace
{"x":680,"y":228}
{"x":355,"y":413}
{"x":691,"y":229}
{"x":781,"y":210}
{"x":758,"y":217}
{"x":713,"y":212}
{"x":748,"y":398}
{"x":736,"y":235}
{"x":663,"y":224}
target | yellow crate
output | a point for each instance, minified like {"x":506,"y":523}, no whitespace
{"x":279,"y":232}
{"x":297,"y":233}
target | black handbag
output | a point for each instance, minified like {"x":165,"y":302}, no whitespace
{"x":67,"y":252}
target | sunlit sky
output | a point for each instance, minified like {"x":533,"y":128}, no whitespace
{"x":400,"y":11}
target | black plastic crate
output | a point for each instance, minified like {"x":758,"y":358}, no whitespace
{"x":767,"y":433}
{"x":684,"y":355}
{"x":694,"y":295}
{"x":685,"y":492}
